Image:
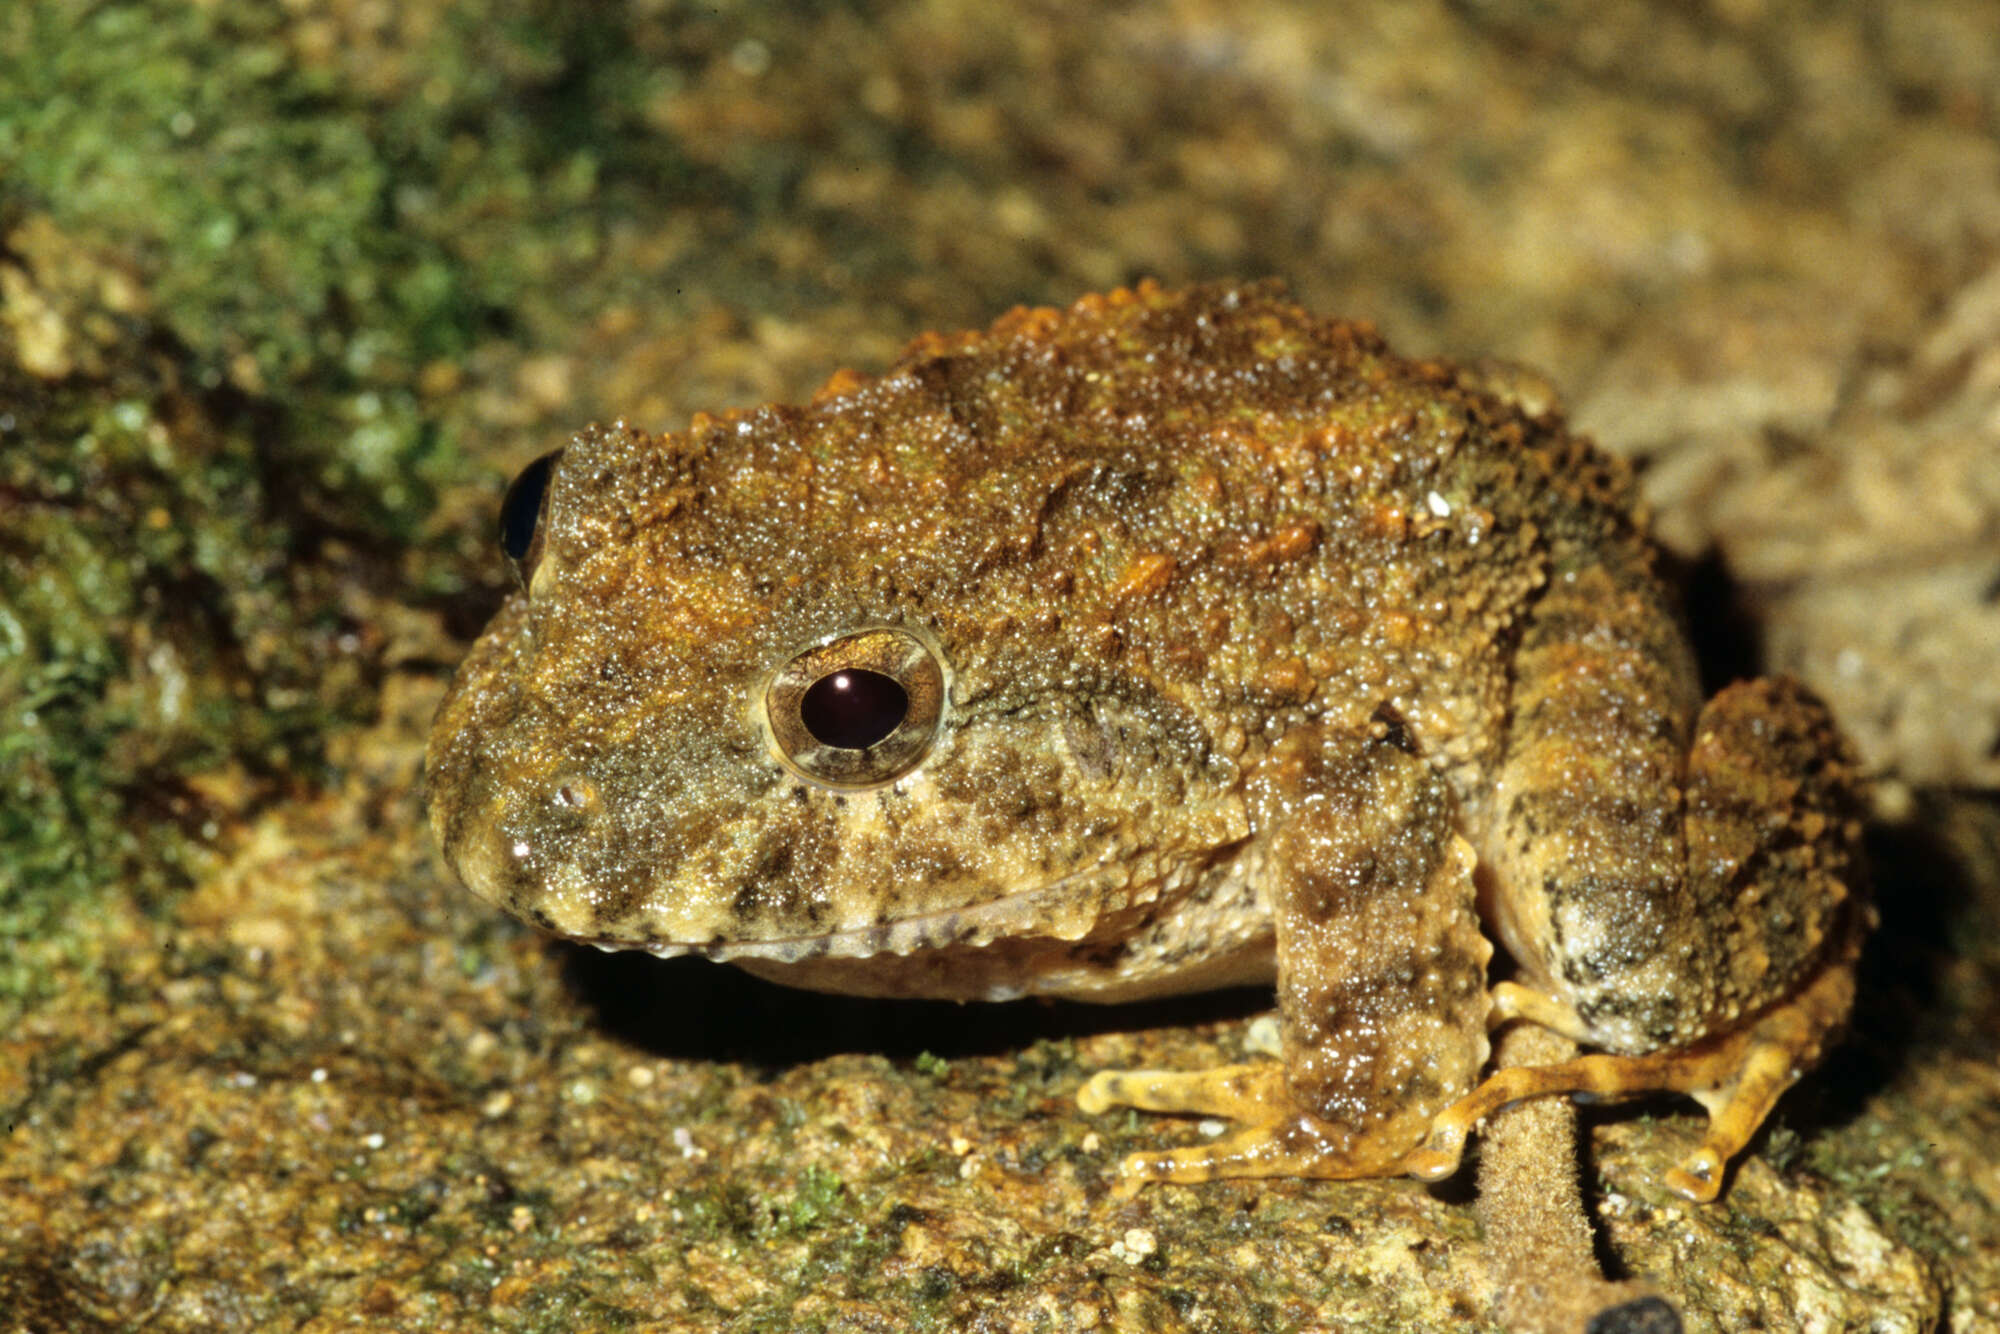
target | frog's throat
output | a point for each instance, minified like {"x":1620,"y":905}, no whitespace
{"x":1066,"y":910}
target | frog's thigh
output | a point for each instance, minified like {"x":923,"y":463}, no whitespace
{"x":1771,"y":834}
{"x":1381,"y":970}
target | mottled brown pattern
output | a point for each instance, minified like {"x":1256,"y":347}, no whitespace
{"x":1381,"y":966}
{"x":1255,"y":639}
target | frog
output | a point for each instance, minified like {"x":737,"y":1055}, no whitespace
{"x":1176,"y":640}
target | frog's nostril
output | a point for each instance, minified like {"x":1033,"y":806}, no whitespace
{"x":576,"y":793}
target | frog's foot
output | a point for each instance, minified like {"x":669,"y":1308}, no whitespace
{"x":1277,"y":1138}
{"x":1735,"y":1076}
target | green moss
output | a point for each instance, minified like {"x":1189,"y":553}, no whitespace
{"x":1894,"y":1177}
{"x":301,"y":233}
{"x":718,"y":1209}
{"x":819,"y":1200}
{"x":186,"y":518}
{"x":321,"y":213}
{"x":570,"y":1305}
{"x":152,"y":627}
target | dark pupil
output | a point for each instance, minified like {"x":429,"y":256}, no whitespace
{"x":522,"y":508}
{"x":853,"y":709}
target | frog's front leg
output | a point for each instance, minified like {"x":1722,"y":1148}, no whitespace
{"x":1381,"y":975}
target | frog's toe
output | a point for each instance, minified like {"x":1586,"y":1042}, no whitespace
{"x":1736,"y":1077}
{"x":1698,"y":1178}
{"x":1239,"y":1092}
{"x":1765,"y":1063}
{"x":1275,"y":1137}
{"x":1738,"y":1088}
{"x":1300,"y":1146}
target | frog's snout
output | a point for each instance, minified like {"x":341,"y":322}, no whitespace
{"x":514,"y":839}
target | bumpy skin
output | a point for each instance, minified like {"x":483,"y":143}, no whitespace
{"x":1264,"y":652}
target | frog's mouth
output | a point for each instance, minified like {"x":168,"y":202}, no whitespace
{"x":1065,"y":910}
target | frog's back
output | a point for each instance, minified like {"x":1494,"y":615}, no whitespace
{"x":1261,"y":514}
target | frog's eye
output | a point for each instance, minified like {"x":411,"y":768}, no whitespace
{"x":521,"y":513}
{"x":860,"y":710}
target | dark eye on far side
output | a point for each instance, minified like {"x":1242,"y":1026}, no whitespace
{"x":521,"y":514}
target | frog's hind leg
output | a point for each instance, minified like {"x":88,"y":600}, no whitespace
{"x":1381,"y":976}
{"x":1679,"y":883}
{"x":1736,"y":1076}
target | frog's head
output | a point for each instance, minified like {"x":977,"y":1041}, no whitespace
{"x":723,"y":718}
